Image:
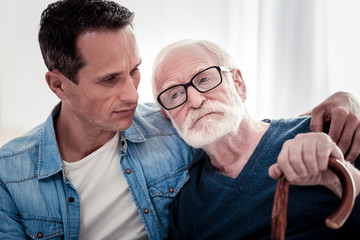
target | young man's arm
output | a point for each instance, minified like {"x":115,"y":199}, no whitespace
{"x":304,"y":160}
{"x":342,"y":110}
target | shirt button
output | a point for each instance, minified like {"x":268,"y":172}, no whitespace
{"x":39,"y":235}
{"x":128,"y":171}
{"x":171,"y":190}
{"x":122,"y":143}
{"x":71,"y":199}
{"x":146,"y":211}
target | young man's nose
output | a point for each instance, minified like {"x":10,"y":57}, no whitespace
{"x":128,"y":91}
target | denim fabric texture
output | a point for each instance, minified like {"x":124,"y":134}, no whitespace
{"x":37,"y":201}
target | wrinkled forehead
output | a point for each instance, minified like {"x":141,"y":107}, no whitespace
{"x":180,"y":63}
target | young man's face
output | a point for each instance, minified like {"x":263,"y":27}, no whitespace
{"x":106,"y":94}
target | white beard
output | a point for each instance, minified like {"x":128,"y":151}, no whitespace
{"x":209,"y":130}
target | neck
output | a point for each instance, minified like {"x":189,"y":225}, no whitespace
{"x":230,"y":153}
{"x":75,"y":139}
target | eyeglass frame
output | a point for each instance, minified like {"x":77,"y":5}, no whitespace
{"x":190,"y":83}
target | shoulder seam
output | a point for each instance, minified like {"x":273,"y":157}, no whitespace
{"x":19,"y":153}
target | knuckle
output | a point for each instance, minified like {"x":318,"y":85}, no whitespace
{"x":308,"y":158}
{"x":298,"y":136}
{"x":322,"y":154}
{"x":287,"y":143}
{"x":292,"y":158}
{"x":340,"y":111}
{"x":318,"y":109}
{"x":323,"y":136}
{"x":353,"y":119}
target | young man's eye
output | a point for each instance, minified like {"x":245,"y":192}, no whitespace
{"x":134,"y":71}
{"x":109,"y":79}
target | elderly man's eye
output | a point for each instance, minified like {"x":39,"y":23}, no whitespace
{"x":175,"y":95}
{"x":204,"y":80}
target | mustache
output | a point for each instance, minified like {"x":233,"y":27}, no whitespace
{"x":208,"y":106}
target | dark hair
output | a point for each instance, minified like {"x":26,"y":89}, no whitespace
{"x":64,"y":21}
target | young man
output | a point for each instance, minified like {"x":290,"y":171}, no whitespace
{"x":229,"y":194}
{"x":100,"y":167}
{"x":97,"y":168}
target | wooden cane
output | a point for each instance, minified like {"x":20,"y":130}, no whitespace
{"x":334,"y":221}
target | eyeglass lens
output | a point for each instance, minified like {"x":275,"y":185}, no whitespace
{"x":202,"y":82}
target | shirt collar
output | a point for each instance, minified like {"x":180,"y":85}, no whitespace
{"x":50,"y":161}
{"x":133,"y":133}
{"x":49,"y":156}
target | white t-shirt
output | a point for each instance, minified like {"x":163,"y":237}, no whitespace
{"x":107,"y":208}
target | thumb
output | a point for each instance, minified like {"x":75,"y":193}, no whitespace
{"x":275,"y":171}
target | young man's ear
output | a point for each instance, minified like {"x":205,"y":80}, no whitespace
{"x":55,"y":81}
{"x":239,"y":83}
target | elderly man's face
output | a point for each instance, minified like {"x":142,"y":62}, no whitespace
{"x":205,"y":117}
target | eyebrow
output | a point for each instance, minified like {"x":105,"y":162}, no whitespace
{"x":172,"y":83}
{"x":115,"y":74}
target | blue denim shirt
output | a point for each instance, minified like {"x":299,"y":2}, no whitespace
{"x":37,"y":201}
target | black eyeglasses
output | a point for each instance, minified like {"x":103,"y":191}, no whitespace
{"x":203,"y":81}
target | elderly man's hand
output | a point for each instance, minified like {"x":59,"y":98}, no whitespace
{"x":343,"y":111}
{"x":304,"y":161}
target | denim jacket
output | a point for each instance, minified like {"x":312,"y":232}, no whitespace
{"x":38,"y":202}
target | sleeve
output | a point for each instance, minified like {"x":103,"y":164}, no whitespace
{"x":10,"y":226}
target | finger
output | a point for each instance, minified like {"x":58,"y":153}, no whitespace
{"x":348,"y":131}
{"x":323,"y":150}
{"x":338,"y":119}
{"x":336,"y":153}
{"x":275,"y":171}
{"x":284,"y":165}
{"x":296,"y":160}
{"x":355,"y":147}
{"x":317,"y":120}
{"x":309,"y":157}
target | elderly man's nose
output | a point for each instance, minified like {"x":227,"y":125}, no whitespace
{"x":195,"y":98}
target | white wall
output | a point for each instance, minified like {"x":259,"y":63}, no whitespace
{"x":344,"y":45}
{"x":26,"y":101}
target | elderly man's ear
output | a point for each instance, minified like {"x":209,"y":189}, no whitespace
{"x":239,"y":83}
{"x":163,"y":112}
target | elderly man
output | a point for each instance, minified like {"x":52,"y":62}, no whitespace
{"x":229,"y":195}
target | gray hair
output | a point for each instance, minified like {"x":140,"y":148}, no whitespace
{"x":224,"y":58}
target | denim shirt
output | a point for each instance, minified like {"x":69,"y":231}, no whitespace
{"x":38,"y":202}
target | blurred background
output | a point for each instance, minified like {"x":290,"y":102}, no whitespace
{"x":293,"y":54}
